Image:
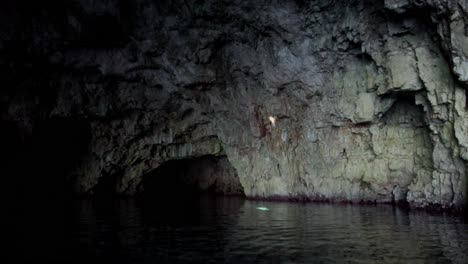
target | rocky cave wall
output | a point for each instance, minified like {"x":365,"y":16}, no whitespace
{"x":324,"y":100}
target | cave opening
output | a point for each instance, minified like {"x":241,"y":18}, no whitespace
{"x":406,"y":143}
{"x":405,"y":112}
{"x":56,"y":147}
{"x":40,"y":194}
{"x":184,"y":180}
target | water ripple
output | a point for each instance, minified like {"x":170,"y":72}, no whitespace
{"x":232,"y":230}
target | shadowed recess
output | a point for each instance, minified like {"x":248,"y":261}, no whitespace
{"x":181,"y":180}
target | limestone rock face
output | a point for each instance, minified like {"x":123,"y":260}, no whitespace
{"x":325,"y":100}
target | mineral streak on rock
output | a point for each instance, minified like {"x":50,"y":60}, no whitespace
{"x":356,"y":100}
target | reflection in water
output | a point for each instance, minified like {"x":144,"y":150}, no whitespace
{"x":232,"y":230}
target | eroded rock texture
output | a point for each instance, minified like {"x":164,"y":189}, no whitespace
{"x":356,"y":100}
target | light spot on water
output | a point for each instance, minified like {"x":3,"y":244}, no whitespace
{"x":263,"y":208}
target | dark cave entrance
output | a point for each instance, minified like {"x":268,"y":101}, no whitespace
{"x":39,"y":193}
{"x":38,"y":161}
{"x":57,"y":147}
{"x":182,"y":180}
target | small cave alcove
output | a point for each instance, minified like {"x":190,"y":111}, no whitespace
{"x":405,"y":112}
{"x":182,"y":181}
{"x":405,"y":143}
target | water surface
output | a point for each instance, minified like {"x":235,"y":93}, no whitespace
{"x":233,"y":230}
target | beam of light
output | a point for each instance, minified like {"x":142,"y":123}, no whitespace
{"x":263,"y":208}
{"x":272,"y":120}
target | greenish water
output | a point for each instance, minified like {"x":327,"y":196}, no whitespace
{"x":233,"y":230}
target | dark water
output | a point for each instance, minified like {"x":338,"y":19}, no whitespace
{"x":233,"y":230}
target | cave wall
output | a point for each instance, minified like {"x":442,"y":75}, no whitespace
{"x":324,"y":100}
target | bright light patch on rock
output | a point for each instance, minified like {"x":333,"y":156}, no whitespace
{"x":272,"y":120}
{"x":263,"y":208}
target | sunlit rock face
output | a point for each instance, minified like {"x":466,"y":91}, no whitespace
{"x":357,"y":100}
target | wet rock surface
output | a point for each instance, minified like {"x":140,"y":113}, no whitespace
{"x":328,"y":100}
